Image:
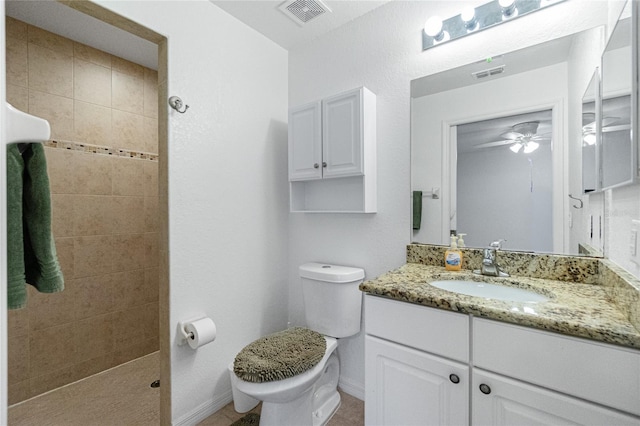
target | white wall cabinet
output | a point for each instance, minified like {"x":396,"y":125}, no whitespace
{"x":332,"y":154}
{"x":514,"y":374}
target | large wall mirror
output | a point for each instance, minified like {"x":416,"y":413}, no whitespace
{"x":491,"y":155}
{"x":590,"y":136}
{"x":619,"y":85}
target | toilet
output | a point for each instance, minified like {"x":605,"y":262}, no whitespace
{"x":332,"y":306}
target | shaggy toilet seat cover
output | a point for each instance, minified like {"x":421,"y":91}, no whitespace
{"x":280,"y":355}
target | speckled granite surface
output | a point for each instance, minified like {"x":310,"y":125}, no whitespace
{"x":589,"y":298}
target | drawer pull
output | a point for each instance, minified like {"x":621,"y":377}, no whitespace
{"x":485,"y":389}
{"x":454,"y":378}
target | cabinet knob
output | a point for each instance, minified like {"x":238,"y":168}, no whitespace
{"x":485,"y":389}
{"x":324,"y":164}
{"x":316,"y":165}
{"x":454,"y":378}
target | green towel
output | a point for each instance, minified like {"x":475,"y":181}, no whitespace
{"x":417,"y":209}
{"x":31,"y":251}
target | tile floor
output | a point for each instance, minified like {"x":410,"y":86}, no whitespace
{"x":350,"y":413}
{"x":104,"y":399}
{"x":122,"y":396}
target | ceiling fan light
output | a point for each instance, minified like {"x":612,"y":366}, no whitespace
{"x":530,"y":147}
{"x":589,"y":138}
{"x":516,"y":147}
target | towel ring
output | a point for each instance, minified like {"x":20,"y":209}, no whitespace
{"x":578,"y":200}
{"x":176,"y":103}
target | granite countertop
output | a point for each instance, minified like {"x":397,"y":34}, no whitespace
{"x":574,"y":309}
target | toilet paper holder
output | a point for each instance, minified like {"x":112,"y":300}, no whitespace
{"x":185,"y":336}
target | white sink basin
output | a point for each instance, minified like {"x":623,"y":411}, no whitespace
{"x":489,"y":291}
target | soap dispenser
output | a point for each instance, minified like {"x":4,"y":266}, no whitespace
{"x":453,"y":256}
{"x":461,"y":241}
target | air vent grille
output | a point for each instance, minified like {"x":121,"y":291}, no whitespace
{"x":303,"y":11}
{"x":488,"y":72}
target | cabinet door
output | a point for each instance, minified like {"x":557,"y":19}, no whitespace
{"x":305,"y":142}
{"x":511,"y":402}
{"x":342,"y":135}
{"x":408,"y":387}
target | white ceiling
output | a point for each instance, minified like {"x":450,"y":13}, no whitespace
{"x":266,"y":18}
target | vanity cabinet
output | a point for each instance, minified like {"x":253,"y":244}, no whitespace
{"x":332,"y":154}
{"x":513,"y":374}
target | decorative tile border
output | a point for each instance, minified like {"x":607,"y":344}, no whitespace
{"x":101,"y":150}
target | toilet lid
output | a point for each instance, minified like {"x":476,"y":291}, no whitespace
{"x":280,"y":355}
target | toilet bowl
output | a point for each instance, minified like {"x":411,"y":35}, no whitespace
{"x":333,"y":305}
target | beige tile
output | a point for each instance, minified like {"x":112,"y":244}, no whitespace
{"x":91,"y":83}
{"x":51,"y":349}
{"x":62,"y":215}
{"x":151,"y":214}
{"x":17,"y":323}
{"x":129,"y":289}
{"x":18,"y":392}
{"x":52,"y":41}
{"x":128,"y":252}
{"x":96,"y":337}
{"x":128,"y":215}
{"x":128,"y":176}
{"x":127,"y":92}
{"x":95,"y":365}
{"x":18,"y":360}
{"x":17,"y":68}
{"x":93,"y":255}
{"x":128,"y":131}
{"x":89,"y":54}
{"x":56,"y":109}
{"x":150,"y":93}
{"x":151,"y":284}
{"x":52,"y":380}
{"x":15,"y":28}
{"x":50,"y":71}
{"x":136,"y":350}
{"x":151,"y":252}
{"x":123,"y":322}
{"x":126,"y":67}
{"x":150,"y":170}
{"x":48,"y":310}
{"x":61,"y":170}
{"x":92,"y":215}
{"x":18,"y":96}
{"x":92,"y":123}
{"x":150,"y":134}
{"x":93,"y":174}
{"x":65,"y":250}
{"x":94,"y":296}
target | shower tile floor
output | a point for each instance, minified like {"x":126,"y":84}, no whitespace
{"x":119,"y":396}
{"x":350,"y":413}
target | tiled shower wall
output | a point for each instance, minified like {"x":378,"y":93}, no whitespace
{"x":103,"y":171}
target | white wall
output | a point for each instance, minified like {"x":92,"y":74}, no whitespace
{"x":227,"y":189}
{"x":382,"y":51}
{"x":536,"y":90}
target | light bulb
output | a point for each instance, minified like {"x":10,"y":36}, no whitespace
{"x":516,"y":147}
{"x":468,"y":17}
{"x":530,"y":147}
{"x":433,"y":26}
{"x":508,"y":8}
{"x":589,"y":138}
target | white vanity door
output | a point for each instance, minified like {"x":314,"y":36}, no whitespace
{"x":408,"y":387}
{"x":342,"y":134}
{"x":499,"y":401}
{"x":305,"y":142}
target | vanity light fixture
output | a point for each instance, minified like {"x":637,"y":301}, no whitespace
{"x":437,"y":31}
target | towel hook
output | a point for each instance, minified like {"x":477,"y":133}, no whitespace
{"x":176,"y":103}
{"x":578,"y":200}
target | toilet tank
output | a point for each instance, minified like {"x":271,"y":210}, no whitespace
{"x":332,"y":300}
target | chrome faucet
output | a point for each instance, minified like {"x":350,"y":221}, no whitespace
{"x":489,"y":261}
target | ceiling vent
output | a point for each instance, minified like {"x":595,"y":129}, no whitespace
{"x":488,"y":72}
{"x":303,"y":11}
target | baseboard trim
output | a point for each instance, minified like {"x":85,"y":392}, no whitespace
{"x":352,"y":388}
{"x":204,"y":410}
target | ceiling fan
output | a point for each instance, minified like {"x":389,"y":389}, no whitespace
{"x":522,"y":136}
{"x":589,"y":127}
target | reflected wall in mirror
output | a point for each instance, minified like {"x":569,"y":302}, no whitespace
{"x":590,"y":137}
{"x":538,"y":78}
{"x":619,"y":156}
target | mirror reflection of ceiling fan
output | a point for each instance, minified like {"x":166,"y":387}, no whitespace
{"x":523,"y":136}
{"x":589,"y":127}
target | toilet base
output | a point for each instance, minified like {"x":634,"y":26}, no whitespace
{"x":325,"y":412}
